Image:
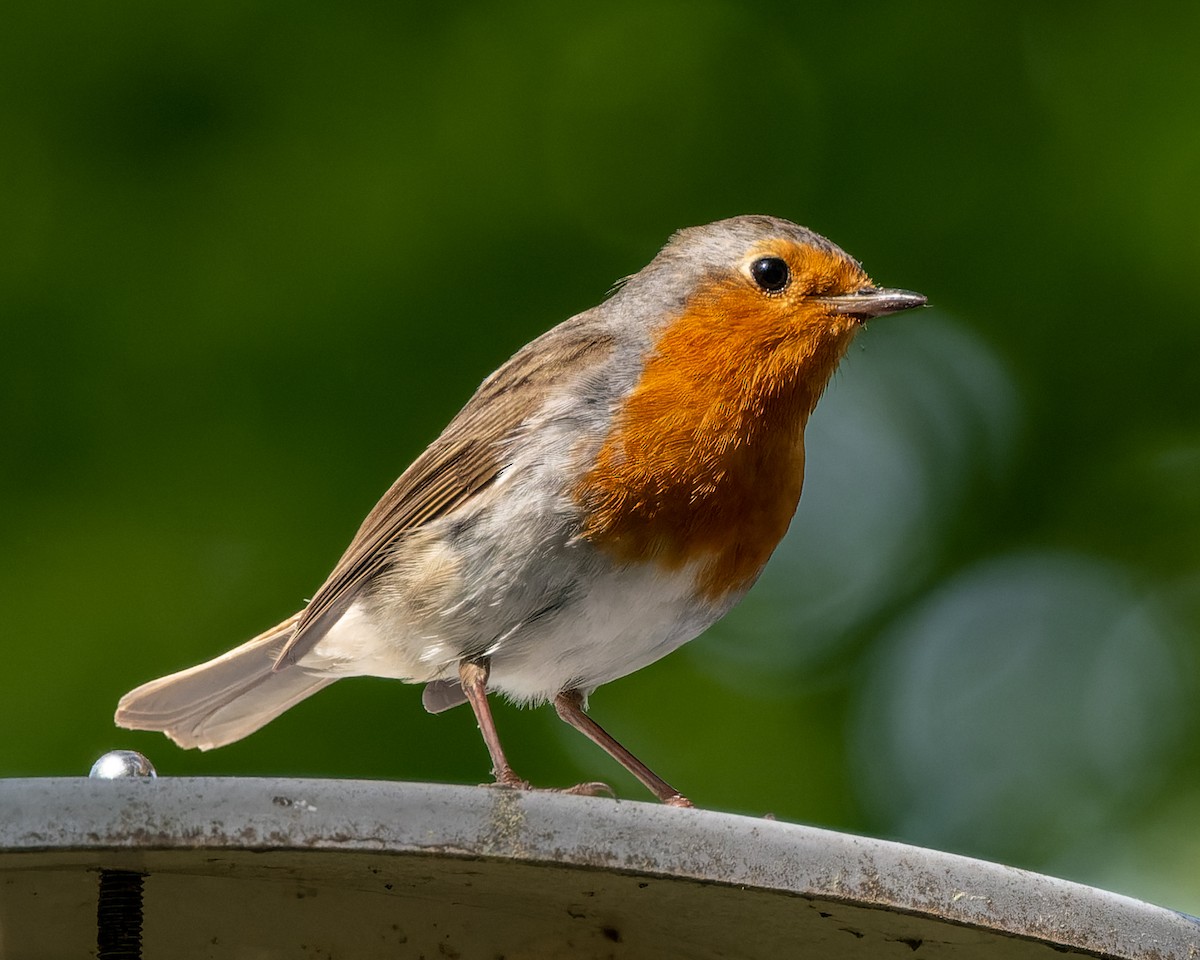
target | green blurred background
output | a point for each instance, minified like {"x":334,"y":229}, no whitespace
{"x":255,"y":255}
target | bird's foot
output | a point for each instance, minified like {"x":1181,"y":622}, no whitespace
{"x":678,"y":800}
{"x":592,"y":789}
{"x":507,"y":780}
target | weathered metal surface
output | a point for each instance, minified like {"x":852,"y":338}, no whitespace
{"x":265,"y":868}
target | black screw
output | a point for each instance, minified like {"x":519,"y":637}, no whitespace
{"x":119,"y":915}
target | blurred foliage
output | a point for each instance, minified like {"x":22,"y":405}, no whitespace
{"x":255,"y":255}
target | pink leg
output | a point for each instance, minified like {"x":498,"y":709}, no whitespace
{"x":473,"y":675}
{"x":569,"y":705}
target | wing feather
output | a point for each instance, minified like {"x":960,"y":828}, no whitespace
{"x":461,"y":463}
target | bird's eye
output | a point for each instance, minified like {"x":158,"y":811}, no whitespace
{"x":770,"y":273}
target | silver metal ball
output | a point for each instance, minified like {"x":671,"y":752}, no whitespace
{"x":119,"y":764}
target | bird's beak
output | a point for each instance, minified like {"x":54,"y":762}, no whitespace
{"x":873,"y":302}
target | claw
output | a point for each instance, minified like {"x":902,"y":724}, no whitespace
{"x":510,"y":782}
{"x":592,"y":789}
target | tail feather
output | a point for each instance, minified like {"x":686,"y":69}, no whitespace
{"x":225,"y":699}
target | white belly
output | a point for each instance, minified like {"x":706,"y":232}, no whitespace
{"x":625,"y":619}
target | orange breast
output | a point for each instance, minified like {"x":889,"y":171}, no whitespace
{"x":705,"y":460}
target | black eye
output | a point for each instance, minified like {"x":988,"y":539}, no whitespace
{"x":770,"y":273}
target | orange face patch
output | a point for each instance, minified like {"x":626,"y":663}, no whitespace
{"x":705,"y":460}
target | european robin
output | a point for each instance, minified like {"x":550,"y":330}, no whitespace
{"x":604,"y":497}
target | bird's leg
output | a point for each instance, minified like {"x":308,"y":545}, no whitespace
{"x":569,"y":705}
{"x":473,"y":675}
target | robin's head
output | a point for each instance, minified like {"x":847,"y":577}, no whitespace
{"x":776,"y":269}
{"x":757,"y":302}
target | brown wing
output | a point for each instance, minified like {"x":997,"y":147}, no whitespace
{"x":463,"y":461}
